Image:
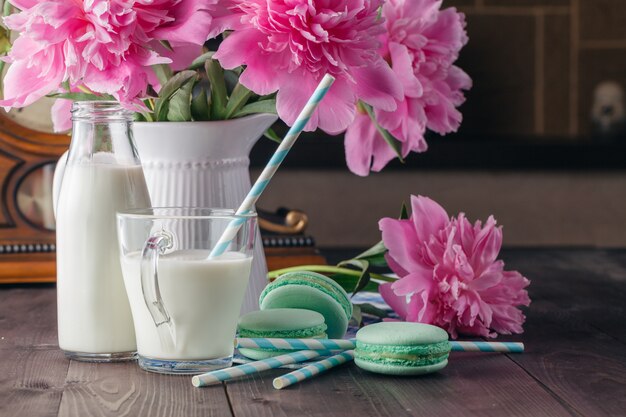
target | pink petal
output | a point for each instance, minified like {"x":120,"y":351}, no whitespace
{"x":61,"y":116}
{"x":428,"y":217}
{"x":376,"y":84}
{"x":486,"y":246}
{"x":417,"y":286}
{"x":395,"y":266}
{"x":458,"y":80}
{"x":225,"y":17}
{"x":335,"y":111}
{"x":191,"y":22}
{"x":403,"y":69}
{"x":383,"y":153}
{"x":397,"y":303}
{"x":25,"y":4}
{"x":400,"y":238}
{"x":358,"y":143}
{"x":181,"y":55}
{"x":241,"y":48}
{"x":24,"y":85}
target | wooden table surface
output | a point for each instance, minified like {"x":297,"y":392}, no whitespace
{"x":575,"y":363}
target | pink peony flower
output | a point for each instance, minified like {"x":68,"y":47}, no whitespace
{"x":103,"y":45}
{"x":61,"y":115}
{"x":449,"y":273}
{"x":421,"y":42}
{"x":288,"y":45}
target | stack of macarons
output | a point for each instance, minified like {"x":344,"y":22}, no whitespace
{"x":297,"y":305}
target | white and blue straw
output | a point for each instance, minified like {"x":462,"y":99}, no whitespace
{"x":312,"y":370}
{"x":341,"y":344}
{"x":255,"y":367}
{"x":271,"y":167}
{"x":295,"y":344}
{"x":505,"y":347}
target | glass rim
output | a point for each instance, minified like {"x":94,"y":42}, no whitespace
{"x":193,"y":213}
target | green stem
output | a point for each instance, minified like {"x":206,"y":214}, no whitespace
{"x":327,"y":268}
{"x":394,"y":143}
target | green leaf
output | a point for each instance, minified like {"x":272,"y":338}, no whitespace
{"x":374,"y":255}
{"x":218,"y":89}
{"x":364,"y":279}
{"x":200,"y":105}
{"x":377,"y":249}
{"x":167,"y":91}
{"x":5,"y":40}
{"x":7,"y":8}
{"x":166,"y":45}
{"x":271,"y":135}
{"x":163,"y":72}
{"x":393,"y":143}
{"x":372,"y":310}
{"x":263,"y":106}
{"x":179,"y":109}
{"x":232,"y":79}
{"x":80,"y":96}
{"x":357,"y":317}
{"x":237,"y":100}
{"x":404,"y":212}
{"x":199,"y":61}
{"x":348,"y":282}
{"x":139,"y":117}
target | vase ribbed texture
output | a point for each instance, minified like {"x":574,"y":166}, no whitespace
{"x":204,"y":164}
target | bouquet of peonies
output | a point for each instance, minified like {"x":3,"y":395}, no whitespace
{"x":447,"y":272}
{"x":393,"y":63}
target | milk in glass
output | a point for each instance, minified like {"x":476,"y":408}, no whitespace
{"x":203,"y":297}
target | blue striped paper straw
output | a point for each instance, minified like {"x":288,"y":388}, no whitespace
{"x":295,"y":344}
{"x":505,"y":347}
{"x":273,"y":164}
{"x":312,"y":370}
{"x":340,"y":344}
{"x":254,"y":367}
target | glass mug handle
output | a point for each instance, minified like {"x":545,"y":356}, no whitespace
{"x":156,"y":245}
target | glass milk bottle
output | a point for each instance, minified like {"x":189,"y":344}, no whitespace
{"x":102,"y":175}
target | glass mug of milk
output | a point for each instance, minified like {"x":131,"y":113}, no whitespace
{"x":185,"y":304}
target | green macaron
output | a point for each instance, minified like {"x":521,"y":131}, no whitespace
{"x":310,"y":291}
{"x":284,"y":323}
{"x":400,"y":348}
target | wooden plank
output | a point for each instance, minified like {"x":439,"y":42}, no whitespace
{"x":471,"y":385}
{"x":28,"y":317}
{"x":589,"y":285}
{"x":32,"y":368}
{"x":31,"y":381}
{"x":581,"y":365}
{"x":570,"y":347}
{"x":122,"y":389}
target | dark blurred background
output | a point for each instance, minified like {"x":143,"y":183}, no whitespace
{"x":542,"y":145}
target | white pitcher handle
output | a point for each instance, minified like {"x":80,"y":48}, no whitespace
{"x":56,"y":181}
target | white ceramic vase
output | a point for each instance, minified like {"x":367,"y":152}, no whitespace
{"x":204,"y":164}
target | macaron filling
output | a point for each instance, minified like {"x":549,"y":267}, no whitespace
{"x":314,"y":282}
{"x":310,"y":332}
{"x":416,"y":355}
